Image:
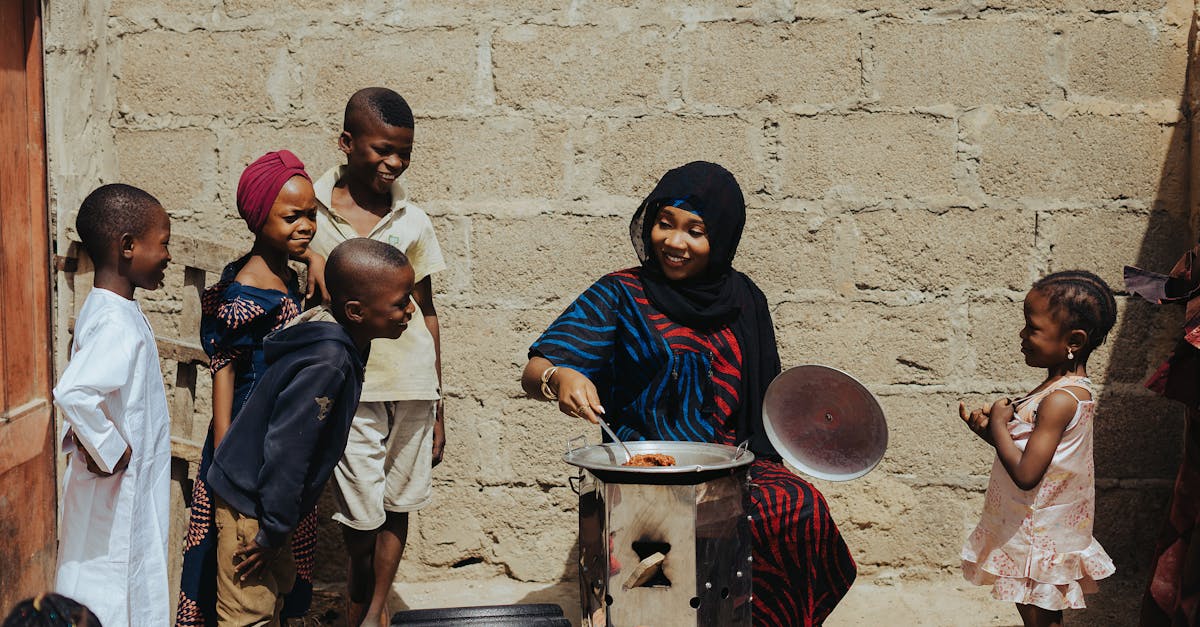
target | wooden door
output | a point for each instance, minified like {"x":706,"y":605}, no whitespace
{"x":28,"y":488}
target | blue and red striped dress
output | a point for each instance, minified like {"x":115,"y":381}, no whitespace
{"x":660,"y":380}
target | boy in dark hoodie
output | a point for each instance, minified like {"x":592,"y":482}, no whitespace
{"x":283,"y":445}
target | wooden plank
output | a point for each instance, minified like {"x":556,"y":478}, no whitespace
{"x":193,"y":291}
{"x":201,"y":254}
{"x":183,"y":399}
{"x":15,"y":325}
{"x":176,"y":350}
{"x":185,"y":449}
{"x":27,"y":452}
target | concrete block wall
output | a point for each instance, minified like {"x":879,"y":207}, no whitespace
{"x":910,"y":168}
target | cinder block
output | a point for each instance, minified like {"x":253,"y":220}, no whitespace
{"x":1138,"y":62}
{"x":993,"y":340}
{"x":1064,"y":6}
{"x":1105,"y":240}
{"x":544,"y":252}
{"x":893,"y":7}
{"x":496,"y":159}
{"x":924,"y":428}
{"x":433,"y":69}
{"x":228,"y":73}
{"x":453,"y":528}
{"x":534,"y":531}
{"x":1137,"y":436}
{"x":1030,"y":155}
{"x":1128,"y":523}
{"x":484,"y":350}
{"x":1139,"y":342}
{"x":559,"y":66}
{"x":322,"y":8}
{"x":176,"y":166}
{"x":875,"y":155}
{"x":890,"y":524}
{"x":71,"y":25}
{"x":634,"y":154}
{"x":454,"y":237}
{"x":315,"y":145}
{"x":740,"y":64}
{"x":782,"y":255}
{"x":963,"y":63}
{"x":876,"y":343}
{"x":421,"y":13}
{"x":137,"y":9}
{"x":920,"y":249}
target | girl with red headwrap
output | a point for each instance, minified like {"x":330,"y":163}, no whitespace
{"x":257,"y":294}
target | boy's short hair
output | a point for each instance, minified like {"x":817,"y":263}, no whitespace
{"x":378,"y":104}
{"x":354,"y":265}
{"x":108,"y":213}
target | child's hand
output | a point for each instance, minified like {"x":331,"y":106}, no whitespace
{"x":1001,"y":411}
{"x":977,"y":420}
{"x":315,"y":289}
{"x":91,"y":464}
{"x":250,"y":559}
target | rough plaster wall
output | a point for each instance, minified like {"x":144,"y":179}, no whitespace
{"x":911,"y":167}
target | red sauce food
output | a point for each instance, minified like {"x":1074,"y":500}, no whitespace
{"x":650,"y":459}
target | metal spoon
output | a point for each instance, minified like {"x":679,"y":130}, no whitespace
{"x":609,"y":431}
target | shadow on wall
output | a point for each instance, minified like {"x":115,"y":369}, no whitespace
{"x":1138,"y":437}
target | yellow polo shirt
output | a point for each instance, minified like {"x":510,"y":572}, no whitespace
{"x":404,"y":368}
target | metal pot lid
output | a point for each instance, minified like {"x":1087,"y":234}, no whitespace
{"x":825,"y":423}
{"x":689,"y":456}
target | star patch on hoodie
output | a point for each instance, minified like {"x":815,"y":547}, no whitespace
{"x":324,"y":403}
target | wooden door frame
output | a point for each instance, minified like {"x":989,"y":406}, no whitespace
{"x":28,"y":453}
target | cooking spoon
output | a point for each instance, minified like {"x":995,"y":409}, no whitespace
{"x":609,"y":431}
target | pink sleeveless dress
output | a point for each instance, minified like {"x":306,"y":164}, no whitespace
{"x":1035,"y":547}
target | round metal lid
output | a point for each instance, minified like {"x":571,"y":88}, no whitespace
{"x":825,"y":423}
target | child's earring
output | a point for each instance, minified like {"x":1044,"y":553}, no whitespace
{"x":1070,"y":354}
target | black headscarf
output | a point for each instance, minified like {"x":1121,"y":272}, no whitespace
{"x":721,"y":295}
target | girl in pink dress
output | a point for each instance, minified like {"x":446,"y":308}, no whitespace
{"x":1034,"y":543}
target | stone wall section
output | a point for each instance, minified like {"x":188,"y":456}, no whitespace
{"x":910,"y":168}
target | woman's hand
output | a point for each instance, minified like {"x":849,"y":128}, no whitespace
{"x":577,"y":395}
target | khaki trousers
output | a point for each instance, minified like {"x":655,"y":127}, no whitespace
{"x":257,"y":600}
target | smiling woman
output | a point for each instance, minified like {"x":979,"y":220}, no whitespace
{"x":682,"y":348}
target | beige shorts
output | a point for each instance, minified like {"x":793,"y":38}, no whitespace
{"x":388,"y":463}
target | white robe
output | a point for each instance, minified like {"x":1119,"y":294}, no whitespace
{"x":112,"y":551}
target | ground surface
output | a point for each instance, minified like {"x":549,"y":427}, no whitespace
{"x":945,"y":601}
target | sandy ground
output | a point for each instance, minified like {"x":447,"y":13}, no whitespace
{"x":937,"y":602}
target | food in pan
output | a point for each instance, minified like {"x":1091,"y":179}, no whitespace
{"x":650,"y":459}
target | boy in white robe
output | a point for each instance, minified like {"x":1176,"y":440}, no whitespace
{"x":112,"y":553}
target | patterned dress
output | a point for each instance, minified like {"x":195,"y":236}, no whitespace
{"x":659,"y":380}
{"x":235,"y":320}
{"x":1035,"y":547}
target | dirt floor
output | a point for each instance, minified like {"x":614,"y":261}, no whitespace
{"x":938,"y":602}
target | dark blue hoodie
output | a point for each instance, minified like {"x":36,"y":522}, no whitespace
{"x":283,"y":444}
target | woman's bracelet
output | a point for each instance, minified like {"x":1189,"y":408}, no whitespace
{"x":546,"y":374}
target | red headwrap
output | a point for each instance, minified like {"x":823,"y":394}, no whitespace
{"x":261,"y":182}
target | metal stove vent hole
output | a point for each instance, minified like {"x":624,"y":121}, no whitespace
{"x":646,"y":548}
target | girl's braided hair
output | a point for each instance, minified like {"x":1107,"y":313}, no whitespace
{"x":1082,"y":301}
{"x":51,"y":610}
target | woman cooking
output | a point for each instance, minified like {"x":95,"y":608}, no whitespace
{"x":682,"y":348}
